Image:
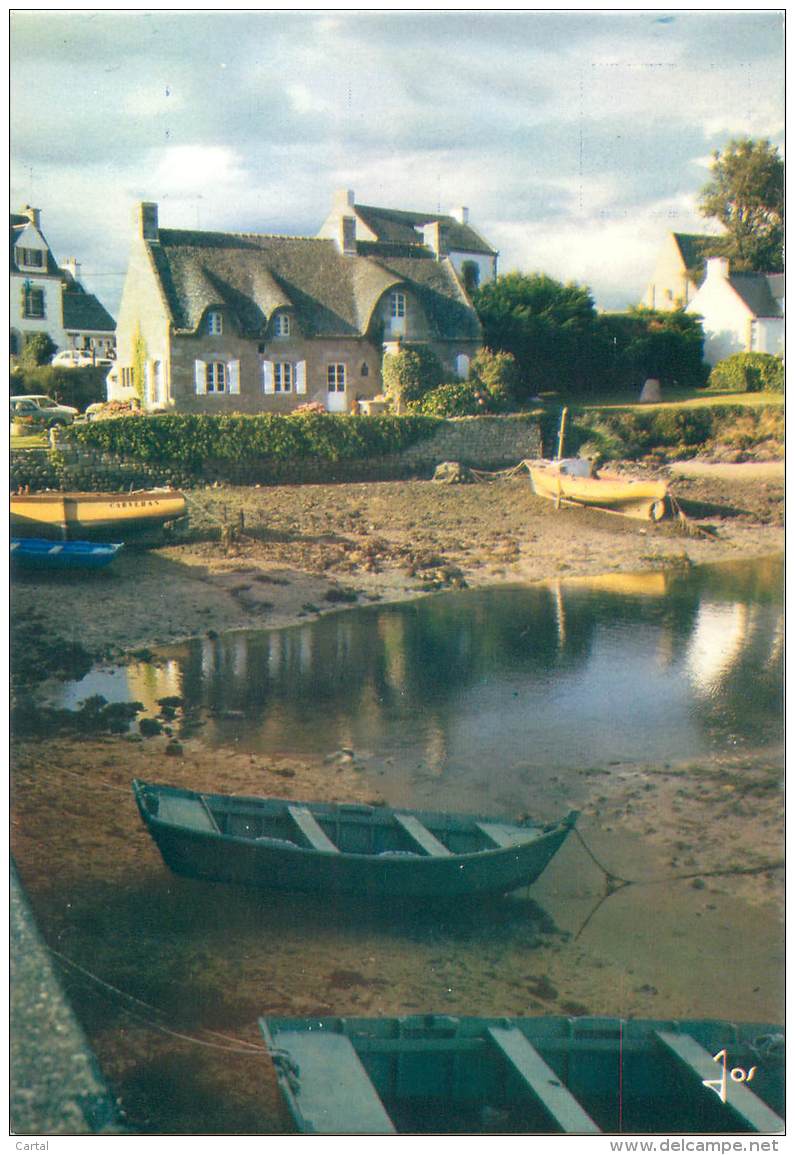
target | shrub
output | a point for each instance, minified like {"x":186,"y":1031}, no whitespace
{"x":748,"y":373}
{"x":458,"y":399}
{"x":37,"y":350}
{"x":192,"y":439}
{"x":410,"y":373}
{"x":497,"y":376}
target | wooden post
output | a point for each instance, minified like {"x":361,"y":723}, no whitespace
{"x":562,"y":431}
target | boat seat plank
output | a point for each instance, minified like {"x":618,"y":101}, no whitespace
{"x":191,"y":813}
{"x":422,"y":836}
{"x":542,"y":1082}
{"x":740,"y":1099}
{"x":311,"y":829}
{"x":505,"y":836}
{"x":333,"y":1093}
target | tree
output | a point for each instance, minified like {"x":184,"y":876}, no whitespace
{"x":746,"y":194}
{"x":546,"y":325}
{"x":37,"y":350}
{"x":644,"y":343}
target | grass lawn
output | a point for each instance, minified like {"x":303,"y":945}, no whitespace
{"x":682,"y":398}
{"x":30,"y":441}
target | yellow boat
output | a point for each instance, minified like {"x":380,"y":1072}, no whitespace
{"x":646,"y":500}
{"x":70,"y":515}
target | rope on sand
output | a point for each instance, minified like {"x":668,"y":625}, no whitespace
{"x":240,"y":1046}
{"x":614,"y":882}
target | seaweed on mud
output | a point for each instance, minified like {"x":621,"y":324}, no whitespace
{"x":95,"y":716}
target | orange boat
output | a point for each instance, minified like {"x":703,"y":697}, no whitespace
{"x":76,"y":515}
{"x":646,"y":500}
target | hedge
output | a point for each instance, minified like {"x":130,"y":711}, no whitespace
{"x":748,"y":373}
{"x":193,"y":439}
{"x":78,"y":387}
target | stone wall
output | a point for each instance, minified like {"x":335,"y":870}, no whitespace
{"x":488,"y":443}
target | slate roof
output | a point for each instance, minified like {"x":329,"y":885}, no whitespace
{"x":82,"y":311}
{"x":695,"y":248}
{"x":331,"y":294}
{"x":396,"y":227}
{"x":761,"y":292}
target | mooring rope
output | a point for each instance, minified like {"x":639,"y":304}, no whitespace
{"x":242,"y":1047}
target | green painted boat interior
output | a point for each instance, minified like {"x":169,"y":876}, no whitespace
{"x":439,"y":1074}
{"x":346,"y":828}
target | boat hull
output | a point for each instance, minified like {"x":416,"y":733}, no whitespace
{"x":645,"y":500}
{"x":71,"y":515}
{"x":37,"y":553}
{"x":247,"y":861}
{"x":443,"y":1074}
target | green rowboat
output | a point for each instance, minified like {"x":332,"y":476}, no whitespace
{"x":321,"y":847}
{"x":436,"y":1074}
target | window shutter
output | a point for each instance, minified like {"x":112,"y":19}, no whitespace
{"x":201,"y":376}
{"x":300,"y":377}
{"x":267,"y":376}
{"x":234,"y":376}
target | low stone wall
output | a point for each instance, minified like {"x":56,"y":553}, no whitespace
{"x":488,"y":443}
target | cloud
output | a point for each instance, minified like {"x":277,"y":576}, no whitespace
{"x":571,"y":135}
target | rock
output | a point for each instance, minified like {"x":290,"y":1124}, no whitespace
{"x":651,"y":391}
{"x":452,"y":473}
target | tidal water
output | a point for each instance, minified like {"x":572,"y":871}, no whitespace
{"x":497,"y":700}
{"x":483,"y":698}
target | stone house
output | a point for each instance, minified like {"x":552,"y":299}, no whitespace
{"x":678,"y":271}
{"x":741,"y":312}
{"x":223,"y":322}
{"x":45,"y":298}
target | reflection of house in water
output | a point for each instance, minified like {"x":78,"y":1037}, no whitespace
{"x":147,"y":682}
{"x":730,"y":638}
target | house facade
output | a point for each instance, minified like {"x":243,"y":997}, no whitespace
{"x":742,"y":312}
{"x":45,"y":298}
{"x":678,"y":271}
{"x":222,"y":322}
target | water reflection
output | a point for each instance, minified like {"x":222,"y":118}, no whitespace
{"x":571,"y":674}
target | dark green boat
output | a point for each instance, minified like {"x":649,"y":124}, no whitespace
{"x":436,"y":1074}
{"x":321,"y":847}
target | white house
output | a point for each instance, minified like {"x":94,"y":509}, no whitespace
{"x":384,"y":232}
{"x":45,"y":298}
{"x":742,"y":312}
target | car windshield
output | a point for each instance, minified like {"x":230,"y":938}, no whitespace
{"x":46,"y":403}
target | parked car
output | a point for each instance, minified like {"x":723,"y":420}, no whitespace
{"x":42,"y":410}
{"x":78,"y":359}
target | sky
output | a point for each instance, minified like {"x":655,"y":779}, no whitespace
{"x":578,"y":139}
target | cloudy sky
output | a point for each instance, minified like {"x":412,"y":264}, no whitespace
{"x":577,"y":139}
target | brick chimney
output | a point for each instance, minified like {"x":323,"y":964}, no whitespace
{"x":718,"y":268}
{"x":146,"y":221}
{"x":344,"y":199}
{"x":435,"y":237}
{"x":72,"y":266}
{"x":33,"y":215}
{"x":460,"y":214}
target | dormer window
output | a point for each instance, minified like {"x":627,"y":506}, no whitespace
{"x":397,"y":304}
{"x":215,"y":324}
{"x":30,"y":258}
{"x":281,"y":325}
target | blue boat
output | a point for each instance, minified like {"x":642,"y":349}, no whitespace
{"x":40,"y":554}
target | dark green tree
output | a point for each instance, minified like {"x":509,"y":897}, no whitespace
{"x":37,"y":350}
{"x":746,"y":194}
{"x":546,"y":325}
